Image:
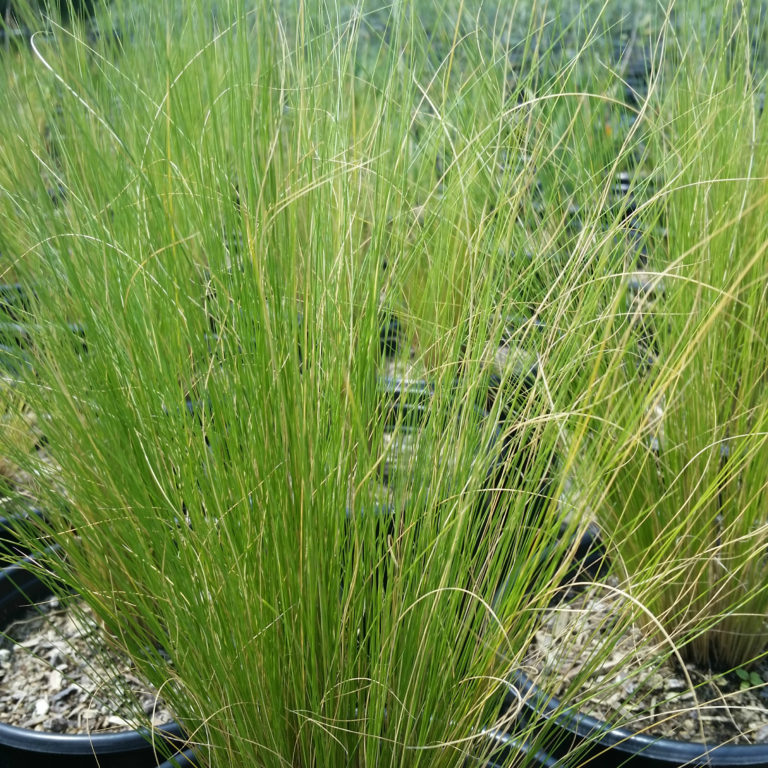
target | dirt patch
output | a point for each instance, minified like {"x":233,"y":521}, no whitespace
{"x":631,"y":689}
{"x":56,"y":675}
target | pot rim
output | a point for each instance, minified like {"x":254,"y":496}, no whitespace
{"x":45,"y":742}
{"x":629,"y":742}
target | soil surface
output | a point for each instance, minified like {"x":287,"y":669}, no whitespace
{"x":626,"y":690}
{"x":56,"y":675}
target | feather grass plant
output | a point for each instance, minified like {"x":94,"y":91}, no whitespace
{"x":651,"y":347}
{"x":234,"y":184}
{"x":685,"y":500}
{"x":673,"y":462}
{"x":243,"y":191}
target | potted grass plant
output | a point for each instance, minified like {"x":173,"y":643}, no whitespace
{"x":678,"y":455}
{"x":228,"y":550}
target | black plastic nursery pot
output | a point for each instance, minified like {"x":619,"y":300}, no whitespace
{"x":25,"y":748}
{"x":11,"y":549}
{"x":580,"y":740}
{"x":14,"y":305}
{"x":185,"y":759}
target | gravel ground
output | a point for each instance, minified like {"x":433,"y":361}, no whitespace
{"x":56,"y":675}
{"x":659,"y":703}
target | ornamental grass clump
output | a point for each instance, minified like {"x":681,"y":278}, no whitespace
{"x":243,"y":192}
{"x":664,"y":409}
{"x":682,"y":439}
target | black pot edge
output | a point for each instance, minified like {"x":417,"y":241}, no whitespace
{"x":20,"y":586}
{"x":628,"y":744}
{"x":89,"y":745}
{"x":505,"y":744}
{"x":11,"y":550}
{"x":185,"y":759}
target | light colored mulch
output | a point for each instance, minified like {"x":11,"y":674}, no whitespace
{"x":56,"y":675}
{"x":659,"y":702}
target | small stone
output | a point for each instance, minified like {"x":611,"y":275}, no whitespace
{"x":33,"y":722}
{"x":55,"y":679}
{"x":49,"y":605}
{"x":5,"y":655}
{"x":33,"y":642}
{"x":761,"y":737}
{"x":68,"y":691}
{"x":654,"y":682}
{"x":56,"y":725}
{"x":41,"y":707}
{"x":57,"y":655}
{"x":118,"y":721}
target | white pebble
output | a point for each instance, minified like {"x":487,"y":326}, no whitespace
{"x":55,"y":679}
{"x":118,"y":721}
{"x":41,"y":707}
